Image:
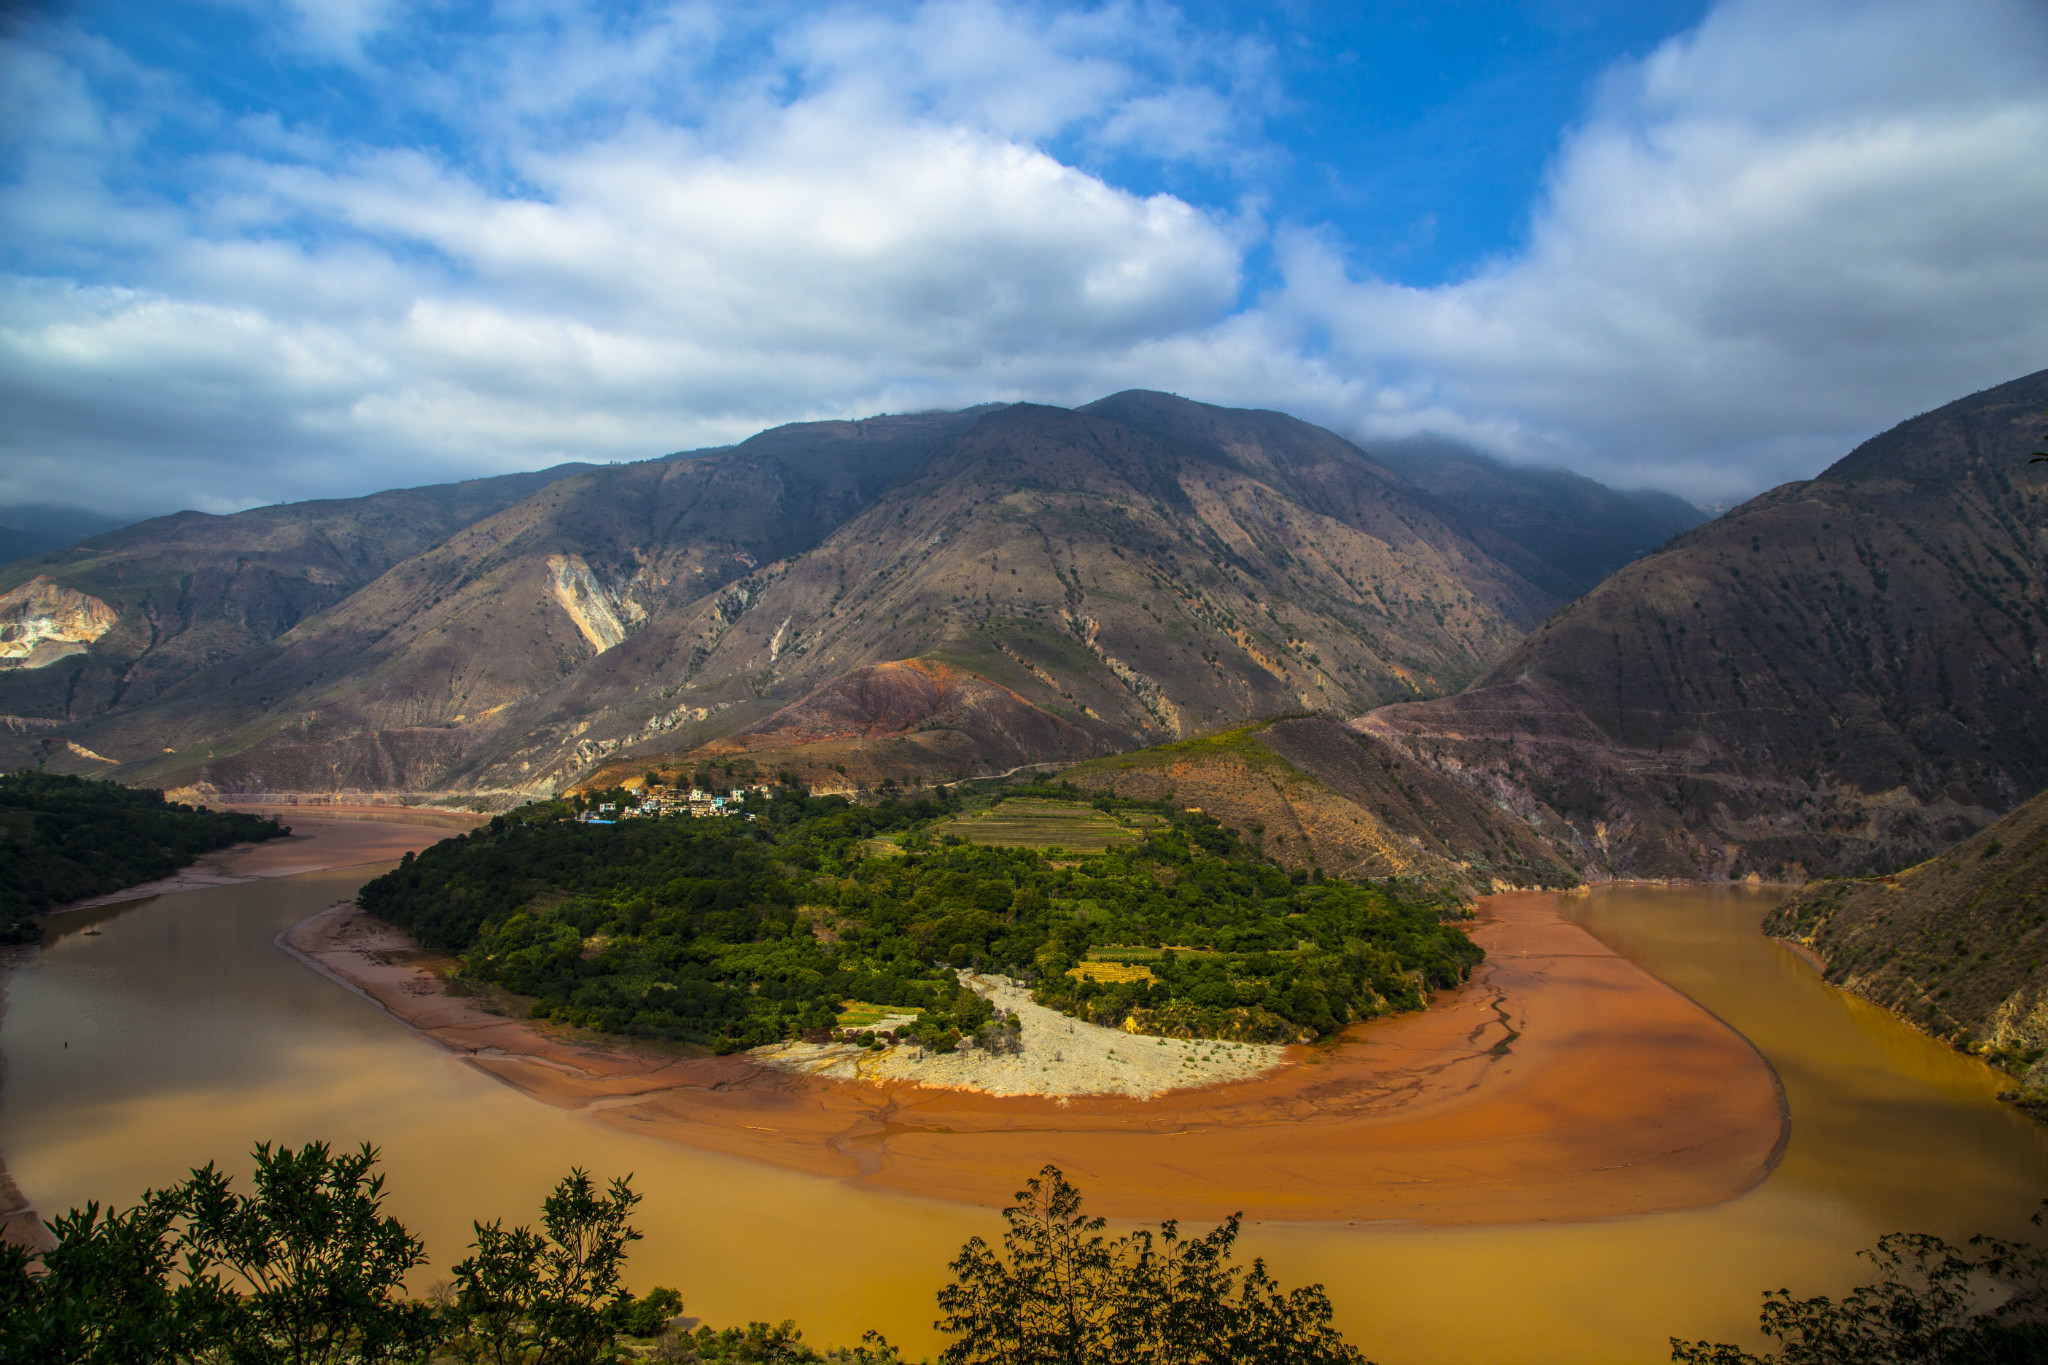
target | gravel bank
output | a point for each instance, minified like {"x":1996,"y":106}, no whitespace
{"x":1057,"y":1056}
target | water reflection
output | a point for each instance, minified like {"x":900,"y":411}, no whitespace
{"x":189,"y":1035}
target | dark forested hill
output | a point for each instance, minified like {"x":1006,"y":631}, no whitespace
{"x":64,"y":838}
{"x":37,"y":528}
{"x":1842,"y":675}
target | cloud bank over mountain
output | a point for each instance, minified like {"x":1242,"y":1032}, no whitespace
{"x":417,"y":253}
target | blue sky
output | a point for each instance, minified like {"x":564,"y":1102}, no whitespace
{"x":255,"y":251}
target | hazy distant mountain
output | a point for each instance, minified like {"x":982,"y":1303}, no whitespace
{"x":37,"y":528}
{"x":1842,"y":675}
{"x":1561,"y":531}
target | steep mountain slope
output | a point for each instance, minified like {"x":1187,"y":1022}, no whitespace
{"x":1561,"y":531}
{"x":1317,"y":796}
{"x":910,"y":721}
{"x":1957,"y":944}
{"x":1840,"y":676}
{"x":468,"y":642}
{"x":1133,"y":579}
{"x":1136,"y":589}
{"x":181,"y":593}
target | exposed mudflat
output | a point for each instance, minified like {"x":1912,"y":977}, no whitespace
{"x":1563,"y":1083}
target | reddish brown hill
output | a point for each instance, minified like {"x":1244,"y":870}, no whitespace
{"x":910,"y":720}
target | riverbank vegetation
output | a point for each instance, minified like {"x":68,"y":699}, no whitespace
{"x":755,"y":927}
{"x":307,"y":1267}
{"x":65,"y":838}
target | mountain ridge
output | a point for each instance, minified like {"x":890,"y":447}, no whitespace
{"x":1841,"y":675}
{"x":1189,"y":567}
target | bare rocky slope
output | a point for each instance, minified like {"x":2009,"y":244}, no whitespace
{"x":1957,"y":944}
{"x":182,"y":593}
{"x":1320,"y":797}
{"x":1141,"y":570}
{"x":1841,"y":676}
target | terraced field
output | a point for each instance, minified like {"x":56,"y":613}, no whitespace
{"x":1025,"y":822}
{"x":1111,"y":973}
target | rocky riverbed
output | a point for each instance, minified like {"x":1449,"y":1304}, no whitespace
{"x":1053,"y":1055}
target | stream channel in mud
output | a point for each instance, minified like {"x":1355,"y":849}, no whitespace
{"x":179,"y":1033}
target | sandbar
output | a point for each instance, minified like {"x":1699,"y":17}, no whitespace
{"x":1054,"y":1055}
{"x":1562,"y":1083}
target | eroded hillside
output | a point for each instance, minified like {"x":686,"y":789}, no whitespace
{"x":1840,"y":676}
{"x":1141,"y":571}
{"x":1957,"y":944}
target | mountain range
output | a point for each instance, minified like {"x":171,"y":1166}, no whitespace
{"x":1498,"y":673}
{"x":1137,"y":570}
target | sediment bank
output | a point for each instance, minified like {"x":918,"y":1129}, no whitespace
{"x":1052,"y":1055}
{"x":1562,"y":1083}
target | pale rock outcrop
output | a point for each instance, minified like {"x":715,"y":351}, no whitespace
{"x":587,"y":601}
{"x":42,"y":622}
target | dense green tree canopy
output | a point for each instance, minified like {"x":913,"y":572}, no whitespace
{"x":64,"y":838}
{"x":752,"y":928}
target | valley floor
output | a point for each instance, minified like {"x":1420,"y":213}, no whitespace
{"x":1562,"y":1083}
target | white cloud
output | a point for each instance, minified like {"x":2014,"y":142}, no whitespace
{"x":359,"y":313}
{"x":1779,"y":233}
{"x":1771,"y":237}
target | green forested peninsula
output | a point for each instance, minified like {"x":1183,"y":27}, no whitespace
{"x":749,"y":929}
{"x":64,"y":838}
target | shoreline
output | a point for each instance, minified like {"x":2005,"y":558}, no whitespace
{"x":335,"y":838}
{"x":1563,"y":1083}
{"x":338,"y":839}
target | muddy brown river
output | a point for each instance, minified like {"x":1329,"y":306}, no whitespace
{"x":179,"y":1033}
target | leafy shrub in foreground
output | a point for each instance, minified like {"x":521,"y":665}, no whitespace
{"x":1936,"y":1304}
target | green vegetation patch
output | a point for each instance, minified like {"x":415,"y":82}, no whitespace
{"x":1123,"y":953}
{"x":1112,"y":973}
{"x":702,"y":930}
{"x":65,"y":838}
{"x":861,"y":1014}
{"x":1026,"y":822}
